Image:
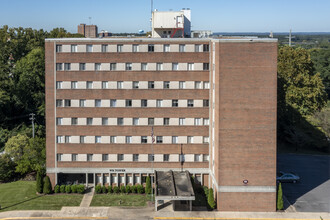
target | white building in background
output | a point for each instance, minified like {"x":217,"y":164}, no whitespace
{"x":171,"y":24}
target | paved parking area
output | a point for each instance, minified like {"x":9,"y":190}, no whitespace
{"x":312,"y":193}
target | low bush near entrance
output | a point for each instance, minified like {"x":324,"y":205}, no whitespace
{"x":116,"y":189}
{"x":98,"y":189}
{"x":74,"y":188}
{"x":70,"y":189}
{"x":62,"y":188}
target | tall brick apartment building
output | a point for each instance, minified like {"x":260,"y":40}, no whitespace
{"x":212,"y":100}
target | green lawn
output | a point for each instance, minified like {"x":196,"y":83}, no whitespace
{"x":114,"y":200}
{"x":21,"y":195}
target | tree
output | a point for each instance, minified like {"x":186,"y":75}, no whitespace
{"x":148,"y":185}
{"x":7,"y":168}
{"x":210,"y":199}
{"x":15,"y":147}
{"x":47,"y":185}
{"x":321,"y":61}
{"x":39,"y":183}
{"x":279,"y":197}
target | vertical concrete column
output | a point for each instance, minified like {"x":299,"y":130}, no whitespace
{"x":86,"y":179}
{"x":117,"y":179}
{"x":125,"y":176}
{"x":110,"y":184}
{"x":140,"y":181}
{"x":102,"y":179}
{"x":94,"y":179}
{"x":202,"y":179}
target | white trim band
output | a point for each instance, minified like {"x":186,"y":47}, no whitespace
{"x":247,"y":189}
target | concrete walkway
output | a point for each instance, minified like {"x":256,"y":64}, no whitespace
{"x":87,"y":199}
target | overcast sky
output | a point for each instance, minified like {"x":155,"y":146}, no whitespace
{"x":133,"y":15}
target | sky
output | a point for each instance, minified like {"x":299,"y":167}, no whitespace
{"x":132,"y":15}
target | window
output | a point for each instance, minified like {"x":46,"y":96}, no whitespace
{"x":105,"y":121}
{"x":135,"y":157}
{"x":119,"y":48}
{"x":59,"y":121}
{"x":113,"y":102}
{"x":151,"y":121}
{"x":205,"y":47}
{"x":197,"y":121}
{"x":97,"y":102}
{"x":151,"y":157}
{"x":74,"y":157}
{"x":82,"y":66}
{"x":59,"y":157}
{"x":144,"y":66}
{"x":159,"y":103}
{"x":59,"y":102}
{"x":82,"y":103}
{"x":166,"y":84}
{"x":205,"y":157}
{"x":67,"y":66}
{"x":97,"y":139}
{"x":166,"y":48}
{"x":128,"y":102}
{"x":128,"y":66}
{"x":190,"y":139}
{"x":113,"y":139}
{"x":67,"y":139}
{"x":182,"y":48}
{"x":135,"y":84}
{"x":206,"y":66}
{"x":67,"y":103}
{"x":205,"y":103}
{"x":166,"y":157}
{"x":135,"y":48}
{"x":151,"y":48}
{"x":144,"y":139}
{"x":105,"y":157}
{"x":113,"y":66}
{"x":182,"y":85}
{"x":144,"y":103}
{"x":89,"y":157}
{"x":120,"y":121}
{"x":59,"y":139}
{"x":151,"y":85}
{"x":175,"y":66}
{"x":120,"y":157}
{"x":89,"y":84}
{"x":74,"y":48}
{"x":190,"y":103}
{"x":74,"y":121}
{"x":206,"y":121}
{"x":105,"y":84}
{"x":197,"y":46}
{"x":97,"y":66}
{"x":175,"y":103}
{"x":159,"y":139}
{"x":182,"y":121}
{"x":206,"y":85}
{"x":159,"y":66}
{"x":190,"y":66}
{"x":166,"y":121}
{"x":104,"y":48}
{"x":82,"y":139}
{"x":89,"y":48}
{"x":198,"y":85}
{"x":74,"y":85}
{"x":205,"y":140}
{"x":59,"y":84}
{"x":59,"y":66}
{"x":135,"y":121}
{"x":120,"y":85}
{"x":197,"y":157}
{"x":174,"y":139}
{"x":89,"y":121}
{"x":128,"y":139}
{"x":58,"y":48}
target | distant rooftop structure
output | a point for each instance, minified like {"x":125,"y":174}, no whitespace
{"x":171,"y":24}
{"x":89,"y":31}
{"x":201,"y":34}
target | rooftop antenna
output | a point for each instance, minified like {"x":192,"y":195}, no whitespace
{"x":151,"y":9}
{"x":271,"y":35}
{"x":290,"y":38}
{"x":90,"y":20}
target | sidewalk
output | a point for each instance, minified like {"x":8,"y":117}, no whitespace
{"x":148,"y":213}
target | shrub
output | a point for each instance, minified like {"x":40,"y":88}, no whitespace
{"x":62,"y":188}
{"x":123,"y":189}
{"x":104,"y":189}
{"x":57,"y":189}
{"x":148,"y":185}
{"x":81,"y":189}
{"x":206,"y":191}
{"x":279,"y":197}
{"x":210,"y":199}
{"x":140,"y":189}
{"x":116,"y":189}
{"x":110,"y":189}
{"x":133,"y":189}
{"x":98,"y":189}
{"x":74,"y":188}
{"x":128,"y":189}
{"x":68,"y":188}
{"x":39,"y":184}
{"x":47,"y":186}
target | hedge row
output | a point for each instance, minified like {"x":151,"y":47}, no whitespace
{"x":123,"y":189}
{"x":70,"y":189}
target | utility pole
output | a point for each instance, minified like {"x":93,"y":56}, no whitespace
{"x":32,"y":120}
{"x":290,"y":38}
